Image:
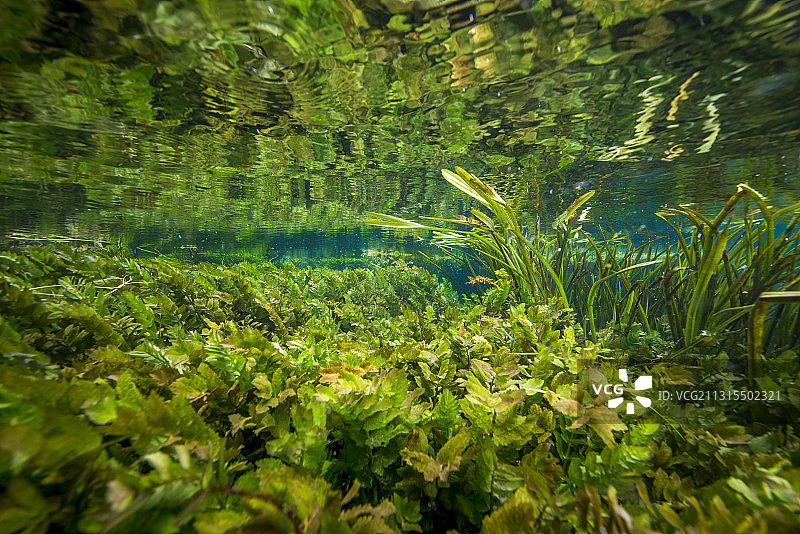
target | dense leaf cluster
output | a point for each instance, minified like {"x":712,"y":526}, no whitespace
{"x":699,"y":290}
{"x":155,"y":396}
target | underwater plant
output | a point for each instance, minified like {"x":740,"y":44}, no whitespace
{"x":542,"y":266}
{"x":497,"y":241}
{"x":726,"y":271}
{"x":154,"y":395}
{"x":705,"y":287}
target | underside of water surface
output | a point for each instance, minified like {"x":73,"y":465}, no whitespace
{"x":379,"y":266}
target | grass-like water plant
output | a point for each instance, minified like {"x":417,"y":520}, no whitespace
{"x":724,"y":266}
{"x":557,"y":264}
{"x":496,"y":241}
{"x":755,"y":332}
{"x":704,"y":285}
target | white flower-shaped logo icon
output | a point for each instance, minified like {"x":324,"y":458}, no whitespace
{"x":642,"y":383}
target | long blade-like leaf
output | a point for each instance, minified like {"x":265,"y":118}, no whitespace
{"x":390,"y":221}
{"x":580,"y":201}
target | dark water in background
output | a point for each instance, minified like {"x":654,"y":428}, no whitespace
{"x":224,"y":130}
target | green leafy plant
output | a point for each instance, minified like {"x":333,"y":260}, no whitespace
{"x":496,"y":241}
{"x":158,"y":395}
{"x":718,"y":274}
{"x":703,"y":288}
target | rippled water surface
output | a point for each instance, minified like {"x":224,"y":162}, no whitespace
{"x":269,"y":127}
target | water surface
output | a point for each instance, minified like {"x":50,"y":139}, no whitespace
{"x":225,"y":127}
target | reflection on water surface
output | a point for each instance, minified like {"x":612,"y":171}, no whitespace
{"x":229,"y":125}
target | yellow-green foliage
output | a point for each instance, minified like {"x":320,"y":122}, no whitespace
{"x":156,"y":396}
{"x":699,"y":292}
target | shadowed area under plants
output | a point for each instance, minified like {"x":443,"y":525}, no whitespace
{"x":157,"y":396}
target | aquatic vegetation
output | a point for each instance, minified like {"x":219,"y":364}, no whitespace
{"x":719,"y":273}
{"x":705,"y":288}
{"x":755,"y":327}
{"x":496,"y":242}
{"x":541,"y":266}
{"x":589,"y":387}
{"x":145,"y":395}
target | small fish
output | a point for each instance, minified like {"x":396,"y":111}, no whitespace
{"x":577,"y":186}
